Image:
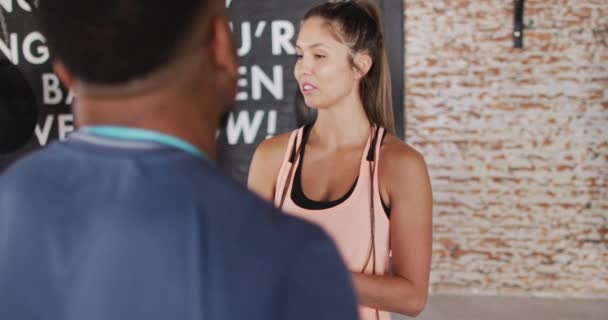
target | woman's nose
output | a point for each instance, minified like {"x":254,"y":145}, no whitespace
{"x":304,"y":66}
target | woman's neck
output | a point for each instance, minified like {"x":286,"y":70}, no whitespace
{"x":341,"y":125}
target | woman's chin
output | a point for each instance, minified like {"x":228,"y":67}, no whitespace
{"x":314,"y":104}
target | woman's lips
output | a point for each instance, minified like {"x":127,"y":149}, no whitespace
{"x":307,"y":88}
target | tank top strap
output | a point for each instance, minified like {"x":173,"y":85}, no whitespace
{"x":379,"y":137}
{"x":380,"y":206}
{"x":289,"y":160}
{"x":296,"y":146}
{"x":374,"y":147}
{"x":374,"y":152}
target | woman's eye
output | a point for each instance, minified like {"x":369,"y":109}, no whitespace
{"x":298,"y":56}
{"x":319,"y":56}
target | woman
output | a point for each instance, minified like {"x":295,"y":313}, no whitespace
{"x":346,"y":173}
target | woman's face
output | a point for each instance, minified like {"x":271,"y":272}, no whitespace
{"x":322,"y":69}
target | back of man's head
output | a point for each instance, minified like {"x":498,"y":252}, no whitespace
{"x":109,"y":42}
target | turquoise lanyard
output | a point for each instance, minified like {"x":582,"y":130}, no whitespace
{"x":125,"y":133}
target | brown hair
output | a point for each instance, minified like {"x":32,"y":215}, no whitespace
{"x":360,"y":28}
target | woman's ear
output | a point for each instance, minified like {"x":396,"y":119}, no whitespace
{"x":363,"y":62}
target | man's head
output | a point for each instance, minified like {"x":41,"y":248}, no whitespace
{"x":123,"y":48}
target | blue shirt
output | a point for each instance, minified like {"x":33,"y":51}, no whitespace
{"x":101,"y":228}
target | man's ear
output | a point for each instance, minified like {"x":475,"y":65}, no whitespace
{"x":223,"y":50}
{"x":64,"y":75}
{"x":363,"y":62}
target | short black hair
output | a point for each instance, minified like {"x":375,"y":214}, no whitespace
{"x":113,"y":41}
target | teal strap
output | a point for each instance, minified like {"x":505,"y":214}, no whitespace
{"x":126,"y":133}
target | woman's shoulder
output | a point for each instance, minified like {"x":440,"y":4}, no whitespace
{"x":395,"y":149}
{"x":398,"y":158}
{"x":266,"y":165}
{"x":268,"y":156}
{"x":274,"y":147}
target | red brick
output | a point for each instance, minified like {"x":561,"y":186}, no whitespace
{"x":516,"y":142}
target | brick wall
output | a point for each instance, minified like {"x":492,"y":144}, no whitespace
{"x":516,"y":141}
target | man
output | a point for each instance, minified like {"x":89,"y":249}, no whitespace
{"x":128,"y":218}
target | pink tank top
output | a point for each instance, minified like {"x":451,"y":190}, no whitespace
{"x":351,"y":221}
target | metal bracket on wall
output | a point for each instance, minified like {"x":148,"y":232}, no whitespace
{"x":518,"y":23}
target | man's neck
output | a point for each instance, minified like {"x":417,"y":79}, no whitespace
{"x":174,"y":120}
